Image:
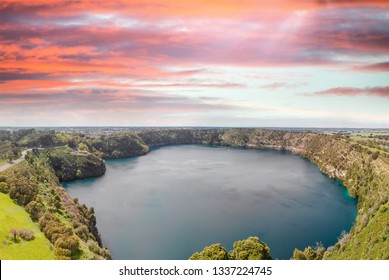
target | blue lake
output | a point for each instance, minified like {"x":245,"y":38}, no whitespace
{"x":178,"y":199}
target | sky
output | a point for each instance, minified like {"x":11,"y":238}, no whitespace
{"x":279,"y":63}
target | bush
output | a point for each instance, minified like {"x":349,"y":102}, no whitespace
{"x":62,"y":254}
{"x":213,"y":252}
{"x":35,"y":210}
{"x":23,"y":192}
{"x":83,"y":232}
{"x":70,"y":243}
{"x":250,"y":249}
{"x":3,"y":178}
{"x":4,"y":188}
{"x":310,"y":253}
{"x":375,"y":155}
{"x":25,"y":234}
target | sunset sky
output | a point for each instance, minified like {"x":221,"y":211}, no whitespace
{"x":284,"y":63}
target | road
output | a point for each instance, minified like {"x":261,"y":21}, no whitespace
{"x":7,"y":165}
{"x":4,"y":166}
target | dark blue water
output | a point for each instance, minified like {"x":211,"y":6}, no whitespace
{"x":179,"y":199}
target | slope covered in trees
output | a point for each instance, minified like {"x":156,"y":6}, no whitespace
{"x":68,"y":225}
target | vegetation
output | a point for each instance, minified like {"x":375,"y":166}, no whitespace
{"x":9,"y":151}
{"x":20,"y":237}
{"x":371,"y":242}
{"x":250,"y":249}
{"x":119,"y":145}
{"x":212,"y":252}
{"x":68,"y":226}
{"x":69,"y":165}
{"x":360,"y":160}
{"x":310,"y":253}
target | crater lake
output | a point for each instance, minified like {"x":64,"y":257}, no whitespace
{"x":176,"y":200}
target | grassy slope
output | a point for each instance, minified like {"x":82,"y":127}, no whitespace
{"x":13,"y":216}
{"x":71,"y":214}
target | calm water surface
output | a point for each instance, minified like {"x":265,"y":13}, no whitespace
{"x":179,"y":199}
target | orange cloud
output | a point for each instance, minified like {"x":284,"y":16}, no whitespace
{"x":98,"y":51}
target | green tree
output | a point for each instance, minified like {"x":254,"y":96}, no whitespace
{"x":3,"y":178}
{"x":11,"y":156}
{"x":298,"y":255}
{"x":35,"y":210}
{"x":83,"y":147}
{"x":72,"y":143}
{"x":213,"y":252}
{"x":23,"y":192}
{"x":310,"y":253}
{"x":250,"y":249}
{"x":4,"y":188}
{"x":70,"y":243}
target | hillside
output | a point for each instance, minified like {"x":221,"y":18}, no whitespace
{"x":68,"y":225}
{"x":14,"y":218}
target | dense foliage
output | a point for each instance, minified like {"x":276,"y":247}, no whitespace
{"x":309,"y":253}
{"x":69,"y":226}
{"x":119,"y":145}
{"x":69,"y":166}
{"x":212,"y":252}
{"x":250,"y":249}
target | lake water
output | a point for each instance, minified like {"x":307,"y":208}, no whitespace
{"x":178,"y":199}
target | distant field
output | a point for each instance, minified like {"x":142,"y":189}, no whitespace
{"x":374,"y":140}
{"x":13,"y":216}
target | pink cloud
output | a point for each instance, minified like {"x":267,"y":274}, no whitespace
{"x":375,"y":67}
{"x":61,"y":52}
{"x":277,"y":85}
{"x":351,"y":91}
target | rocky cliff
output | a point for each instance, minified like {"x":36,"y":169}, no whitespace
{"x":71,"y":166}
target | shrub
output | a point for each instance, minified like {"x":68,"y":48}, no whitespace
{"x":62,"y":254}
{"x":213,"y":252}
{"x":250,"y":249}
{"x":35,"y":210}
{"x":375,"y":155}
{"x":3,"y":178}
{"x":82,"y":232}
{"x":25,"y":234}
{"x":23,"y":192}
{"x":310,"y":253}
{"x":4,"y":188}
{"x":70,"y":243}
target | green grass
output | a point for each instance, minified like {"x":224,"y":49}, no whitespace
{"x":13,"y":216}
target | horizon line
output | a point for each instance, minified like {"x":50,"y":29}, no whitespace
{"x":189,"y":126}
